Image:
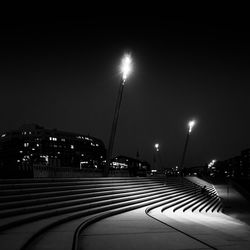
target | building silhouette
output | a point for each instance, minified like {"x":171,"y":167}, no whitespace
{"x":129,"y":166}
{"x":32,"y":146}
{"x":234,"y":167}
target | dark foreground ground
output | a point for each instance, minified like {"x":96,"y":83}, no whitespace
{"x":235,"y":204}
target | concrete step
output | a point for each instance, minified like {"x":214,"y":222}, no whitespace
{"x":61,"y":201}
{"x":66,"y":203}
{"x":213,"y":205}
{"x":44,"y":229}
{"x":193,"y":201}
{"x":79,"y":190}
{"x":37,"y":199}
{"x":27,"y":218}
{"x":199,"y":204}
{"x":177,"y":202}
{"x":76,"y":180}
{"x":70,"y":208}
{"x":61,"y":186}
{"x":207,"y":203}
{"x":89,"y":200}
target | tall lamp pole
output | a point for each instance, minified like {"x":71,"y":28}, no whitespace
{"x":125,"y":71}
{"x":157,"y":155}
{"x":190,"y":126}
{"x":157,"y":148}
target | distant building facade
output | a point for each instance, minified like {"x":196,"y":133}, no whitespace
{"x":234,"y":167}
{"x":129,"y":166}
{"x":32,"y":145}
{"x":195,"y":170}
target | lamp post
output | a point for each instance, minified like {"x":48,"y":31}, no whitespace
{"x":126,"y":67}
{"x":211,"y":169}
{"x":190,"y":127}
{"x":158,"y":157}
{"x":157,"y":147}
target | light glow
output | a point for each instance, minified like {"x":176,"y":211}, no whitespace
{"x":190,"y":125}
{"x":120,"y":165}
{"x":211,"y":164}
{"x":157,"y":146}
{"x":52,"y":138}
{"x":126,"y":66}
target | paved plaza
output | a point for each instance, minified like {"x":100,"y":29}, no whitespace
{"x":157,"y":230}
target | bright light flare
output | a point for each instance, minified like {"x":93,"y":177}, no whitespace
{"x":211,"y":163}
{"x":157,"y":146}
{"x":190,"y":125}
{"x":126,"y":66}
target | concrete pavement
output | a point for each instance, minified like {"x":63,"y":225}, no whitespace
{"x":168,"y":230}
{"x":134,"y":230}
{"x":235,"y":205}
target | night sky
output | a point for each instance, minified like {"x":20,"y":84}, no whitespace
{"x":63,"y":73}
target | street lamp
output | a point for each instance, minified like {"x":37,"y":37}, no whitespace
{"x":211,"y":163}
{"x":125,"y":70}
{"x":157,"y":146}
{"x":157,"y":158}
{"x":190,"y":127}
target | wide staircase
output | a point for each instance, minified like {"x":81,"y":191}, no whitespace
{"x":32,"y":209}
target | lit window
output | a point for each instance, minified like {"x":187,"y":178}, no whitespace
{"x":26,"y":157}
{"x":52,"y":138}
{"x":45,"y":157}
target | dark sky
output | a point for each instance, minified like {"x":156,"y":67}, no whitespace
{"x":63,"y":73}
